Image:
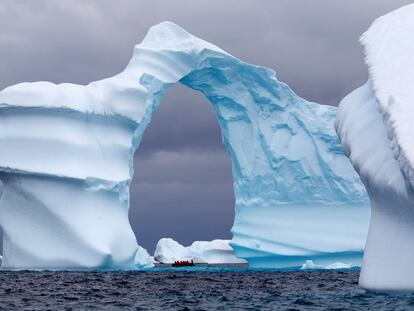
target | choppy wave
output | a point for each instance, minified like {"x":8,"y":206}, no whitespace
{"x":207,"y":289}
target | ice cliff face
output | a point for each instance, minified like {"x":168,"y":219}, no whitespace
{"x":67,"y":151}
{"x":375,"y":124}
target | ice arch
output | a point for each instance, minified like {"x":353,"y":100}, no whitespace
{"x":67,"y":161}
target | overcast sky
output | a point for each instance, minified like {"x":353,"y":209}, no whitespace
{"x":183,"y":184}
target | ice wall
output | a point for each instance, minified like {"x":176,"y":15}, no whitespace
{"x":375,"y":124}
{"x":67,"y":162}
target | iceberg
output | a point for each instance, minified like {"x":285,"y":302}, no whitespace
{"x":67,"y":153}
{"x":212,"y":252}
{"x":375,"y":125}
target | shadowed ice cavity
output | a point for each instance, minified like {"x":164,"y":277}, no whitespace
{"x":183,"y":179}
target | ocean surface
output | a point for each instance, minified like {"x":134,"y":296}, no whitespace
{"x":193,"y":289}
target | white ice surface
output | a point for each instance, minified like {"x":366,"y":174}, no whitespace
{"x":389,"y":49}
{"x":375,"y":125}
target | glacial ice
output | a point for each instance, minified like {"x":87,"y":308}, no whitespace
{"x":375,"y":125}
{"x":212,"y":252}
{"x":67,"y":154}
{"x":142,"y":259}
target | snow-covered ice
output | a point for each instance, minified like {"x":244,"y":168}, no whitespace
{"x":67,"y":154}
{"x":375,"y":124}
{"x":212,"y":252}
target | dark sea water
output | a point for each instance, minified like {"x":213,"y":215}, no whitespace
{"x":208,"y":289}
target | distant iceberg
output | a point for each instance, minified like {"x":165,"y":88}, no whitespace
{"x":67,"y":154}
{"x":212,"y":252}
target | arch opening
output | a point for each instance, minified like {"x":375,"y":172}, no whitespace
{"x":183,"y":186}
